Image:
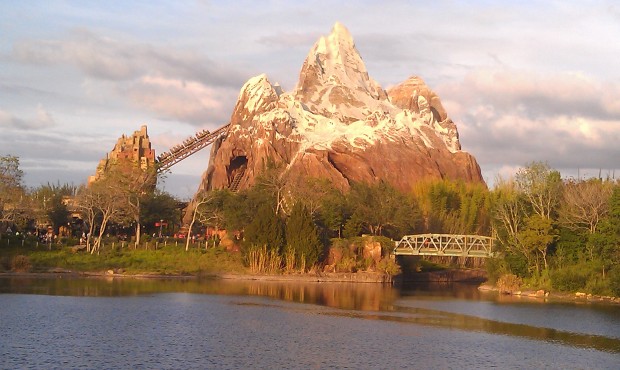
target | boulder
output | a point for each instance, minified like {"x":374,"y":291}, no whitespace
{"x":372,"y":250}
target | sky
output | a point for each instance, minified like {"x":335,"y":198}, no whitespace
{"x":524,"y":81}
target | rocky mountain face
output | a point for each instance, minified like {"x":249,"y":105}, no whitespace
{"x":338,"y":123}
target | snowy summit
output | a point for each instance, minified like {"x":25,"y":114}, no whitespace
{"x":340,"y":124}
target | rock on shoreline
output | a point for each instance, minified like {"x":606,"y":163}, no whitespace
{"x":547,"y":296}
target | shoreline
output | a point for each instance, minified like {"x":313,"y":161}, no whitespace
{"x":440,"y":276}
{"x":553,"y":297}
{"x":356,"y":278}
{"x":359,"y":277}
{"x":331,"y":277}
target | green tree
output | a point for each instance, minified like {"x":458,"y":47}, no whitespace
{"x":525,"y":213}
{"x":302,"y":237}
{"x":100,"y":204}
{"x":454,"y":207}
{"x":241,"y":208}
{"x":569,"y":247}
{"x":158,"y":206}
{"x":49,"y":196}
{"x":58,"y":213}
{"x":13,"y":201}
{"x":266,"y":229}
{"x":354,"y":226}
{"x":584,"y":204}
{"x":536,"y":237}
{"x":606,"y":239}
{"x":272,"y":182}
{"x":509,"y":213}
{"x":238,"y":209}
{"x":334,"y":211}
{"x":132,"y":183}
{"x":381,"y":209}
{"x":541,"y":186}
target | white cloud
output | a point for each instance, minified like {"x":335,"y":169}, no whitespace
{"x":509,"y":118}
{"x":174,"y":84}
{"x":541,"y":95}
{"x":111,"y":59}
{"x":288,"y":39}
{"x":188,"y":101}
{"x":42,"y":119}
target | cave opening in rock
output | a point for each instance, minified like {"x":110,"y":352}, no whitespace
{"x":235,"y":171}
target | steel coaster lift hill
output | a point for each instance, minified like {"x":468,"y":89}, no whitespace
{"x":191,"y":145}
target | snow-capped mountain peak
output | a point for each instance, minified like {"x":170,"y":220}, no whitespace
{"x":339,"y":123}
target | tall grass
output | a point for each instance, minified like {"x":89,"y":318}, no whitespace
{"x":263,"y":261}
{"x":289,"y":260}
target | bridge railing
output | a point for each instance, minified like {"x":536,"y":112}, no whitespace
{"x":445,"y":245}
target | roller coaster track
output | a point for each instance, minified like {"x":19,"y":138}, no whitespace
{"x":189,"y":146}
{"x":234,"y":185}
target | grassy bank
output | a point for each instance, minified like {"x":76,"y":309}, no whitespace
{"x":165,"y":260}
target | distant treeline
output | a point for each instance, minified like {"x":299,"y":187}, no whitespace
{"x":551,"y":233}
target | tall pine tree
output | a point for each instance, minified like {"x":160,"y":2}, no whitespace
{"x":266,"y":229}
{"x":302,"y":237}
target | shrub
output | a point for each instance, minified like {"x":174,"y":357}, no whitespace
{"x":347,"y":264}
{"x":538,"y":281}
{"x":4,"y":264}
{"x":387,"y":245}
{"x":597,"y":285}
{"x":614,"y":281}
{"x":569,"y":279}
{"x":495,"y":267}
{"x":389,"y":266}
{"x":509,"y":283}
{"x":70,"y":241}
{"x":21,"y":263}
{"x":517,"y":264}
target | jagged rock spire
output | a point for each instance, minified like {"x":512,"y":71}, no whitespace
{"x":334,"y":77}
{"x":339,"y":124}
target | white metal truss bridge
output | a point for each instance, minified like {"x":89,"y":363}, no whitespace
{"x":445,"y":245}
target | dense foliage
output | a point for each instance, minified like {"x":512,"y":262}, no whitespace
{"x":302,"y":238}
{"x":558,"y":234}
{"x":551,"y":233}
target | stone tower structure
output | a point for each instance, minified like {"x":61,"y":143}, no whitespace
{"x":128,"y":149}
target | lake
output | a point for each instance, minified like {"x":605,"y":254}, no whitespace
{"x":124,"y":323}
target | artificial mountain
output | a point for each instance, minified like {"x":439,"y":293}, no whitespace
{"x":339,"y":124}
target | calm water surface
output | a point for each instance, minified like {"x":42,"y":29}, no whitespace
{"x":182,"y":324}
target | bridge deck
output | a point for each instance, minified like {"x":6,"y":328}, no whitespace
{"x":445,"y":245}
